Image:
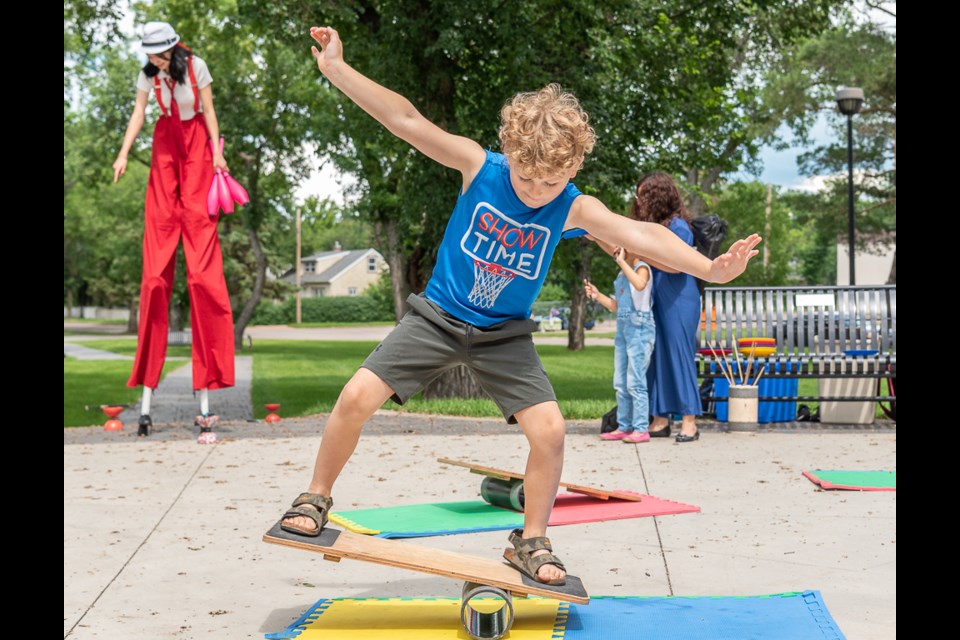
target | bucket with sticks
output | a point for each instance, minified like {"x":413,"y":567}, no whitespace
{"x":743,"y":407}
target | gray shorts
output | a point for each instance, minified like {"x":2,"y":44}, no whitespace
{"x":429,"y":341}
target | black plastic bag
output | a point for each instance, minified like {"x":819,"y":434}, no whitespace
{"x":608,"y":422}
{"x":709,"y":232}
{"x":707,"y":404}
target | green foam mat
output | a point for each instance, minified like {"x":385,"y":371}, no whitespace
{"x":436,"y":519}
{"x":854,"y":480}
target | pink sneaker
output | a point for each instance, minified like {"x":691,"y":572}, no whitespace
{"x":614,"y":435}
{"x":637,"y":436}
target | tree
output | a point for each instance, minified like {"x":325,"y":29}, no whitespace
{"x":651,"y":75}
{"x":851,"y":54}
{"x":751,"y":206}
{"x":102,"y":229}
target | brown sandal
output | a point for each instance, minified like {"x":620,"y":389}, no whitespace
{"x":317,"y":511}
{"x":521,"y":556}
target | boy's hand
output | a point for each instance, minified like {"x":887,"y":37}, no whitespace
{"x":331,"y":50}
{"x":734,"y":262}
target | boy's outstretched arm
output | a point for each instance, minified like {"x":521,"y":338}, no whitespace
{"x":658,"y":243}
{"x":393,"y":111}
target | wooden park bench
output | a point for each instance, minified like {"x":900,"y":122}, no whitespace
{"x":820,"y":332}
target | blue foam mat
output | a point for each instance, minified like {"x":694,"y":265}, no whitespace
{"x":786,"y":616}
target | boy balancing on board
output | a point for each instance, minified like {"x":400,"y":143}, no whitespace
{"x":491,"y":264}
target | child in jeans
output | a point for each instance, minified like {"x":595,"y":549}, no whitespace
{"x":498,"y":244}
{"x":636,"y":334}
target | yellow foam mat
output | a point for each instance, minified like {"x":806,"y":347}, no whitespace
{"x":426,"y":619}
{"x":350,"y":525}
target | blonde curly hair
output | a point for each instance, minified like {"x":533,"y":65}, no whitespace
{"x":545,"y":133}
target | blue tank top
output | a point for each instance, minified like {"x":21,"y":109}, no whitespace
{"x":496,"y":250}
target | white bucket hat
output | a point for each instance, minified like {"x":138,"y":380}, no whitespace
{"x":158,"y":37}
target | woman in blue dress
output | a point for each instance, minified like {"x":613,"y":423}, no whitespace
{"x":672,"y":375}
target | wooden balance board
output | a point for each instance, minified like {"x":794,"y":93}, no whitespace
{"x":483,"y":577}
{"x":508,"y":492}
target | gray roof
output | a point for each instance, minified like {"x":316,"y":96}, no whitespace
{"x":337,"y":267}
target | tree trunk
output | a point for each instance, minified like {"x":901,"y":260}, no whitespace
{"x":70,"y":302}
{"x":251,"y":305}
{"x":133,"y":309}
{"x":892,"y":278}
{"x":454,"y":383}
{"x":578,"y":302}
{"x":397,"y":269}
{"x":175,"y":315}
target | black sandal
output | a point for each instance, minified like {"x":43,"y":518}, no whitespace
{"x":321,"y":507}
{"x":521,"y":556}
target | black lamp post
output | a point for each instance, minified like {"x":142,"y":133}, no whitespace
{"x":849,"y":100}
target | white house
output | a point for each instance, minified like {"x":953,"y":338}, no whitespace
{"x":338,"y":272}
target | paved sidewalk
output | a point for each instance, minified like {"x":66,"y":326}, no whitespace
{"x":174,"y":401}
{"x":162,"y":536}
{"x":82,"y":352}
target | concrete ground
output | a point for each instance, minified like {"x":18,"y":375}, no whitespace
{"x":162,"y":536}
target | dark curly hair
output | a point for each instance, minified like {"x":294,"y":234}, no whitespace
{"x":658,"y":200}
{"x":178,"y":64}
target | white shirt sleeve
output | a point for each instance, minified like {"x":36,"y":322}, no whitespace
{"x":641,"y":297}
{"x":144,"y":83}
{"x":202,"y":73}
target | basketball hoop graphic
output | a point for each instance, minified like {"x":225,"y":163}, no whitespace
{"x":489,"y":281}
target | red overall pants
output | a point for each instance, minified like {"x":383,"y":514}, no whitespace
{"x":176,"y":205}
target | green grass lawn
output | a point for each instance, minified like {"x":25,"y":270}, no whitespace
{"x":129,"y":348}
{"x":306,"y":376}
{"x":565,"y":334}
{"x":325,"y":325}
{"x":95,"y":382}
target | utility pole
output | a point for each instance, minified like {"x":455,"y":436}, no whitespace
{"x":298,"y":267}
{"x":766,"y":229}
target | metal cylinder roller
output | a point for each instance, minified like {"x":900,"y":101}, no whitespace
{"x":503,"y":493}
{"x":485,"y":625}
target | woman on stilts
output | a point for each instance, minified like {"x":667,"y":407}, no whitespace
{"x":181,"y":167}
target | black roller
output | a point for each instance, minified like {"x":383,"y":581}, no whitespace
{"x":503,"y":493}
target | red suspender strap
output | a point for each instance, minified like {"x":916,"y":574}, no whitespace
{"x":156,"y":88}
{"x":193,"y":85}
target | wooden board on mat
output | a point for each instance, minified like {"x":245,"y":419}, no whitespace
{"x":500,"y":474}
{"x":335,"y":544}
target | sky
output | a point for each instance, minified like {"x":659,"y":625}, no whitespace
{"x":780,"y":166}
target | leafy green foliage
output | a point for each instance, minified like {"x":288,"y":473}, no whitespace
{"x":743,"y":205}
{"x":335,"y":309}
{"x":857,"y":55}
{"x":656,"y":78}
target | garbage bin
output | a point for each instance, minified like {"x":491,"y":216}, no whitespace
{"x":769,"y":387}
{"x":843,"y":412}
